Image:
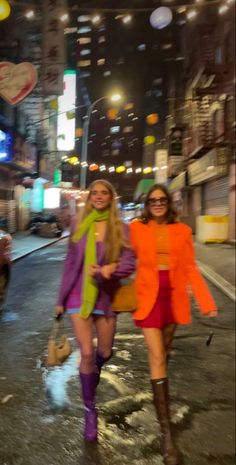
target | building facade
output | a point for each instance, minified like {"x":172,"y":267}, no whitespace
{"x":203,"y":175}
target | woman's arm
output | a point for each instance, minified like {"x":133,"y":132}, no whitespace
{"x":122,"y":269}
{"x":66,"y":270}
{"x":197,"y":282}
{"x":67,"y":265}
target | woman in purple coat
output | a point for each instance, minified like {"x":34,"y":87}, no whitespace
{"x":99,"y":255}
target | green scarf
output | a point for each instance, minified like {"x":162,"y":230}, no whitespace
{"x":90,"y":287}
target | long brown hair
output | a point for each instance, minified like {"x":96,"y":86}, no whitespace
{"x":171,"y":215}
{"x":115,"y":238}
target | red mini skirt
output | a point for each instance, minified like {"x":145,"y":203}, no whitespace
{"x":161,"y":315}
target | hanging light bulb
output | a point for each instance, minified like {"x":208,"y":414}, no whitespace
{"x":96,"y":19}
{"x":191,"y":14}
{"x":161,"y":17}
{"x":5,"y":10}
{"x":223,"y":9}
{"x":30,"y":14}
{"x":127,"y":19}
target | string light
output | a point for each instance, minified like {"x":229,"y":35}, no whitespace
{"x":113,"y":169}
{"x":29,"y":14}
{"x":64,"y":18}
{"x":96,"y":19}
{"x":191,"y":14}
{"x":127,"y":19}
{"x":223,"y":9}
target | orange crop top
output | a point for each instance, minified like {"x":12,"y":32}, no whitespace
{"x":163,"y":245}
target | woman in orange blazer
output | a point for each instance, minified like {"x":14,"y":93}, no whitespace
{"x":166,"y":269}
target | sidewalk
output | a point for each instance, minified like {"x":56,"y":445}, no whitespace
{"x":216,"y":261}
{"x":25,"y":243}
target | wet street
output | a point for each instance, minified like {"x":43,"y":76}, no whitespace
{"x":41,"y":416}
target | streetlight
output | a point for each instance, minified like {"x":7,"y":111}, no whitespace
{"x":84,"y":151}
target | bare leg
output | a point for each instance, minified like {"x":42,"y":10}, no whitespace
{"x":88,"y":375}
{"x":156,"y":352}
{"x":159,"y":381}
{"x":84,"y":335}
{"x":168,"y":335}
{"x":105,"y":328}
{"x":105,"y":335}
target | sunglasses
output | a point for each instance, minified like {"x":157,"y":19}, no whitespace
{"x":157,"y":201}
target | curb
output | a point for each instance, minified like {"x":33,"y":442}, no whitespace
{"x":221,"y":283}
{"x":43,"y":246}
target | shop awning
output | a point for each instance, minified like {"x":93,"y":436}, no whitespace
{"x":143,"y":187}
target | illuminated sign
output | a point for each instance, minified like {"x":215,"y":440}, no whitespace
{"x":5,"y":146}
{"x":66,"y":103}
{"x":52,"y":198}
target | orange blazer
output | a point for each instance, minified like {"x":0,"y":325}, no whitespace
{"x":184,"y":273}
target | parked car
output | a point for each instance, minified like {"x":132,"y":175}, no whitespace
{"x":46,"y":226}
{"x":5,"y":264}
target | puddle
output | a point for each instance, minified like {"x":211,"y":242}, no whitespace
{"x":9,"y":316}
{"x":56,"y":380}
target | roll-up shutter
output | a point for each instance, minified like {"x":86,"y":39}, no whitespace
{"x":216,"y":197}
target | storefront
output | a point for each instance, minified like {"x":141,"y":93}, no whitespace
{"x":215,"y":197}
{"x":178,"y":189}
{"x":209,"y":178}
{"x":16,"y":158}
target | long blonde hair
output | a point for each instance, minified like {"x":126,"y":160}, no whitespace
{"x":115,"y":238}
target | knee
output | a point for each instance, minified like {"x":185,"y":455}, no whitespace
{"x":159,"y":359}
{"x":87,"y":357}
{"x":105,"y":353}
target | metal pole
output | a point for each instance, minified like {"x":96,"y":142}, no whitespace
{"x":84,"y":149}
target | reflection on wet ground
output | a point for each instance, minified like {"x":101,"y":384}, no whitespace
{"x":41,"y":413}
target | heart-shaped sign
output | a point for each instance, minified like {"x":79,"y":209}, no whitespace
{"x":16,"y":81}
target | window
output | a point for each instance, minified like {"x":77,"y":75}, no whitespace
{"x":128,"y":129}
{"x":101,"y":61}
{"x":83,"y":19}
{"x":101,"y":39}
{"x":141,"y":47}
{"x":218,"y":56}
{"x":85,"y":74}
{"x":120,"y":61}
{"x":84,"y":63}
{"x":218,"y":123}
{"x":167,"y":46}
{"x":107,"y":73}
{"x":85,"y":40}
{"x":84,"y":30}
{"x":114,"y":129}
{"x":85,"y":52}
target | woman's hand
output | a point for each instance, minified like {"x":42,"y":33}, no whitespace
{"x":107,"y":270}
{"x":94,"y":269}
{"x":212,"y":314}
{"x":58,"y":310}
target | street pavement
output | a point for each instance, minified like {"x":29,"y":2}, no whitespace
{"x":41,"y":417}
{"x":25,"y":243}
{"x":216,"y":261}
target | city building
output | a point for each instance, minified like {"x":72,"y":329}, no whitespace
{"x":201,"y":119}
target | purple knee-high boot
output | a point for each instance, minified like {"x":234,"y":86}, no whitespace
{"x":88,"y":385}
{"x":100,"y":361}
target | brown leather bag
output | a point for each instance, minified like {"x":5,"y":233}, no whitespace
{"x":125,"y":297}
{"x":58,"y":351}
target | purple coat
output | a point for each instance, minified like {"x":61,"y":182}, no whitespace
{"x":71,"y":283}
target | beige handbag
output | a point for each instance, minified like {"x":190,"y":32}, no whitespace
{"x":125,"y":299}
{"x":59,"y":351}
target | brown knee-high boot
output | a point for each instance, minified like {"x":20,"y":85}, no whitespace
{"x":161,"y":403}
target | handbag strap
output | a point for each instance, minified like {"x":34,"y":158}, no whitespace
{"x":55,"y":328}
